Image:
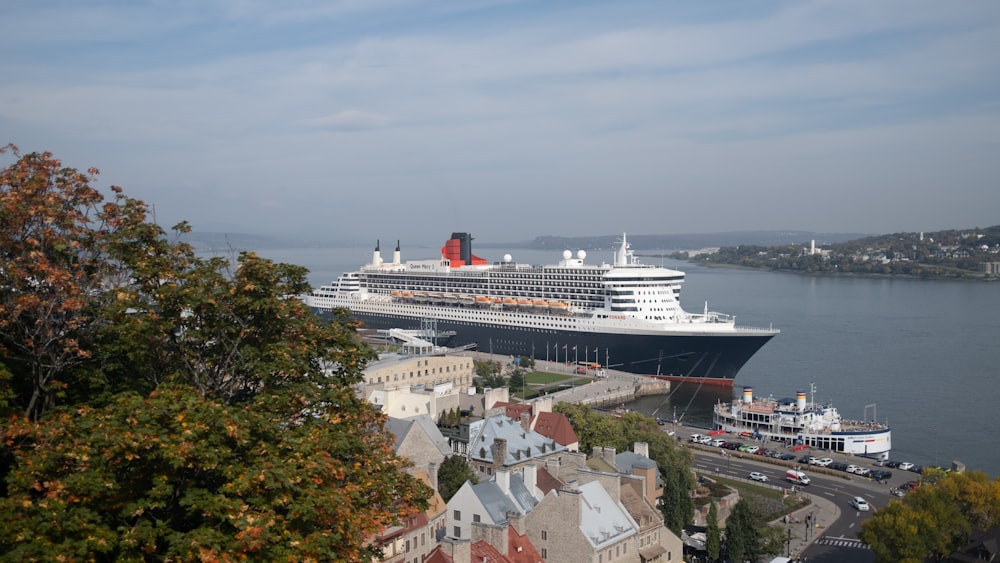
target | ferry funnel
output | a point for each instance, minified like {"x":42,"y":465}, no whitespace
{"x":748,"y":395}
{"x":800,"y":400}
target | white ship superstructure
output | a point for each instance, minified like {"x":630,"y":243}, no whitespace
{"x":623,"y":313}
{"x":800,"y":422}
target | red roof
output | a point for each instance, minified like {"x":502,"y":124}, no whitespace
{"x":546,"y":482}
{"x":482,"y":551}
{"x":437,"y":555}
{"x":555,"y":425}
{"x":514,"y":410}
{"x":521,"y":550}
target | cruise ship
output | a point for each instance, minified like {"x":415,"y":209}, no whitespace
{"x":623,"y":316}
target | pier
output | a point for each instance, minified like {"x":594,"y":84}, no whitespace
{"x":615,"y":389}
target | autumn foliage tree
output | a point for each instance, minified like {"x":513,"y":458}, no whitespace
{"x":934,"y":520}
{"x":161,"y":406}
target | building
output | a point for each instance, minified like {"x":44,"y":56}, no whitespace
{"x":493,"y":502}
{"x":414,"y":401}
{"x":583,"y":522}
{"x":500,"y":442}
{"x":398,"y":371}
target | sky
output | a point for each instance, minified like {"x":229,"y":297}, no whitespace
{"x":360,"y":119}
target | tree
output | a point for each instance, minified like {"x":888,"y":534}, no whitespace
{"x":742,"y":536}
{"x":713,"y":536}
{"x":674,"y":463}
{"x":179,"y":409}
{"x":454,"y":472}
{"x":61,"y":251}
{"x":942,"y":512}
{"x":516,"y":381}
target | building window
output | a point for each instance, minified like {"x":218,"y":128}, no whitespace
{"x":545,"y":534}
{"x":545,"y":553}
{"x":458,"y":532}
{"x":457,"y":515}
{"x":475,"y":518}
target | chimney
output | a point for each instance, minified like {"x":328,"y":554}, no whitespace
{"x":525,"y":422}
{"x":531,"y":478}
{"x":609,"y":455}
{"x":432,"y":474}
{"x":458,"y":549}
{"x":641,"y":448}
{"x":503,"y":480}
{"x":499,"y":453}
{"x":598,"y":451}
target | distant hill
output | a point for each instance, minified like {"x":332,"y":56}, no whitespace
{"x":680,"y":241}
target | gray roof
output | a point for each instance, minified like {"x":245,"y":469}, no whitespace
{"x":400,"y":427}
{"x":498,"y":504}
{"x":627,"y":460}
{"x":602,"y":520}
{"x":521,"y":444}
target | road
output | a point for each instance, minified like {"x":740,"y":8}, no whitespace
{"x":837,"y":537}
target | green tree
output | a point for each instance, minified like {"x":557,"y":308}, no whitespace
{"x":674,"y":463}
{"x":943,"y":511}
{"x":181,"y":409}
{"x":486,"y":368}
{"x":742,"y":536}
{"x":516,"y":381}
{"x":454,"y":472}
{"x":713,"y":536}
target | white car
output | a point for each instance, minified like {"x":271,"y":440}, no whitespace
{"x":860,"y":504}
{"x":905,"y":466}
{"x":853,"y":468}
{"x":758,"y":477}
{"x":823,"y":462}
{"x":752,"y":449}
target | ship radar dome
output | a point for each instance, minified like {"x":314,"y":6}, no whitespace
{"x":581,"y":254}
{"x":507,"y":258}
{"x":567,"y":255}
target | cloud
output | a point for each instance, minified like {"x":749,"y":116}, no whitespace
{"x":349,"y":120}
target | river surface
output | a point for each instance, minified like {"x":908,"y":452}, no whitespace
{"x":923,"y":356}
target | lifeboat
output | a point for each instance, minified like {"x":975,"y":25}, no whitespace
{"x":558,"y":306}
{"x":466,"y":300}
{"x":509,"y":301}
{"x":540,"y":304}
{"x":524,"y":302}
{"x":483,"y":300}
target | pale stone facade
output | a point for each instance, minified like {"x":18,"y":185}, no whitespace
{"x":394,"y":371}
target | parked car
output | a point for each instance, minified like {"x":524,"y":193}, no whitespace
{"x":839,"y":466}
{"x":758,"y":477}
{"x":718,"y":443}
{"x":751,"y":449}
{"x":864,"y":472}
{"x":881,"y":474}
{"x":787,"y":456}
{"x":891,"y":463}
{"x":853,"y":468}
{"x":860,"y":504}
{"x":906,"y":466}
{"x":824,"y":462}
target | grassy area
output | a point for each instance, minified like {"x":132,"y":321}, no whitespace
{"x":767,"y":503}
{"x":538,"y":382}
{"x":546,"y":377}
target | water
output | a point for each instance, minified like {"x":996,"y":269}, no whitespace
{"x":922,"y":355}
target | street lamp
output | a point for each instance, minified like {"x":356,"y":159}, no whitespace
{"x":788,"y":543}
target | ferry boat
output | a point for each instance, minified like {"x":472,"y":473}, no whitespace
{"x":625,"y":313}
{"x":798,"y":422}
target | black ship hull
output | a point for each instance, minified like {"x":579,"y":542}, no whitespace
{"x":706,"y":358}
